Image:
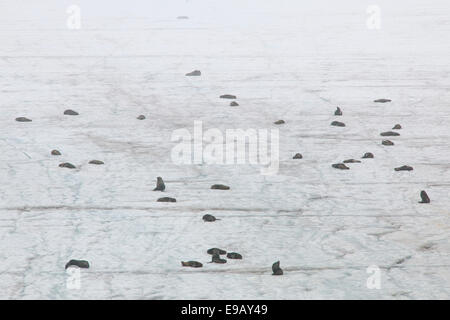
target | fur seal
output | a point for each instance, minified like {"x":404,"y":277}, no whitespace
{"x":192,"y":264}
{"x":389,"y":134}
{"x":55,"y":153}
{"x":338,"y":112}
{"x":98,"y":162}
{"x":160,"y":186}
{"x":234,"y":255}
{"x":141,"y":117}
{"x":217,"y":259}
{"x":67,"y":165}
{"x":298,"y":156}
{"x":396,"y":127}
{"x":340,"y":166}
{"x":228,"y":96}
{"x":209,"y":218}
{"x":220,"y":187}
{"x":338,"y":124}
{"x":382,"y":100}
{"x":368,"y":155}
{"x":194,"y":73}
{"x":234,"y":104}
{"x":166,"y":199}
{"x":216,"y":251}
{"x":277,"y":271}
{"x":23,"y":119}
{"x":404,"y":168}
{"x":351,"y":161}
{"x":424,"y":196}
{"x":78,"y":263}
{"x":279,"y":122}
{"x":70,"y":112}
{"x":387,"y":143}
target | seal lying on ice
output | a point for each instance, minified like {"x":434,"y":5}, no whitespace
{"x":194,"y":73}
{"x":387,"y":143}
{"x":217,"y":259}
{"x":166,"y":199}
{"x":338,"y":112}
{"x":67,"y":165}
{"x":367,"y":155}
{"x":338,"y":124}
{"x":351,"y":161}
{"x":340,"y":166}
{"x":77,"y":263}
{"x":228,"y":96}
{"x":216,"y":251}
{"x":404,"y":168}
{"x":234,"y":255}
{"x":220,"y":187}
{"x":192,"y":264}
{"x":23,"y":119}
{"x":70,"y":112}
{"x":389,"y":134}
{"x":209,"y":218}
{"x":97,"y":162}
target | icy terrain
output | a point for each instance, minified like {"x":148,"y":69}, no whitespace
{"x":289,"y":60}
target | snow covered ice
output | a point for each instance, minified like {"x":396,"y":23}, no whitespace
{"x":290,"y":60}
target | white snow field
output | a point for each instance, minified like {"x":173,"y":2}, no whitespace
{"x":291,"y":60}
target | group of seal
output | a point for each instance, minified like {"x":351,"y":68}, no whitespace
{"x":215,"y":258}
{"x":55,"y":152}
{"x":160,"y":186}
{"x":71,"y":166}
{"x":369,"y":155}
{"x":216,"y":253}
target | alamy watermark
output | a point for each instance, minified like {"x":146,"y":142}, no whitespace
{"x":74,"y":18}
{"x":373,"y":21}
{"x":216,"y":147}
{"x":73,"y":281}
{"x":374,"y":280}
